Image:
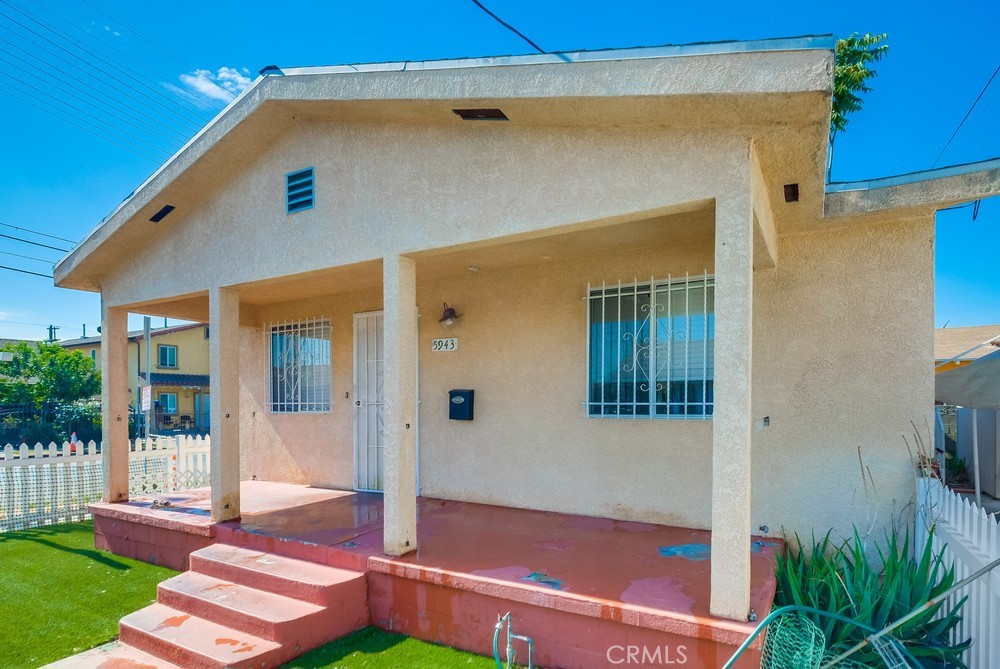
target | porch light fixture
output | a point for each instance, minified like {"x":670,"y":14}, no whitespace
{"x":449,"y":316}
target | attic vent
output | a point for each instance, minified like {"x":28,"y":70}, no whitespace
{"x":300,"y":193}
{"x":481,"y":114}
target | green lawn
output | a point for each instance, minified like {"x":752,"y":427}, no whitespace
{"x":59,"y":595}
{"x":372,"y":648}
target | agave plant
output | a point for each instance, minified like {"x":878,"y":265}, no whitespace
{"x":875,"y":588}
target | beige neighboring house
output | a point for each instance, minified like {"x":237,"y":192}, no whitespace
{"x":179,"y":380}
{"x":959,"y":346}
{"x":665,"y":312}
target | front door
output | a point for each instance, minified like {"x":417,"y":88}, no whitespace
{"x":368,"y":428}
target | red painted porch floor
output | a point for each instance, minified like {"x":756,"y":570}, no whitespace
{"x":642,"y":574}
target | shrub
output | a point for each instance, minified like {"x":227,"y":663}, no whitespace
{"x":876,"y":590}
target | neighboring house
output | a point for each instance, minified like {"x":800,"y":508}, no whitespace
{"x":665,"y":312}
{"x":956,"y":347}
{"x":180,"y":379}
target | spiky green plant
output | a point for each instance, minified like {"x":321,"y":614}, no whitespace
{"x":874,"y":588}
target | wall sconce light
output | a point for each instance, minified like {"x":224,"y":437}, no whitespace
{"x":449,"y":316}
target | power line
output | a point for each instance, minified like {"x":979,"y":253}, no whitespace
{"x":125,"y":55}
{"x":140,"y":36}
{"x":964,"y":118}
{"x":24,"y":271}
{"x":18,"y":255}
{"x":172,"y":110}
{"x":28,"y":241}
{"x":147,"y":145}
{"x":508,"y":26}
{"x":36,"y":232}
{"x":113,"y":107}
{"x":97,"y":133}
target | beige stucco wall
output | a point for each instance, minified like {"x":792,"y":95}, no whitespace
{"x":840,"y":356}
{"x":839,"y":363}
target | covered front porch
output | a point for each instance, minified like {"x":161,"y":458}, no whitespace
{"x":582,"y":587}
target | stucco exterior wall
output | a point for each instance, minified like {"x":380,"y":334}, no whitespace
{"x":838,"y":364}
{"x":839,"y":358}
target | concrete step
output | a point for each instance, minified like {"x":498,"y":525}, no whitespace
{"x":111,"y":656}
{"x":264,"y":614}
{"x":298,"y":579}
{"x":196,"y":643}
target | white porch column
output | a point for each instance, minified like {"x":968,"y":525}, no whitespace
{"x":224,"y":368}
{"x":400,"y":404}
{"x":115,"y":391}
{"x":732,"y":422}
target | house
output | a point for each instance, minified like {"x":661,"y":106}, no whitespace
{"x":662,"y":316}
{"x":179,"y":379}
{"x":956,"y":347}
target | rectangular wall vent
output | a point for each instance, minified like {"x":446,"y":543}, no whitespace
{"x":300,"y":192}
{"x":481,"y":114}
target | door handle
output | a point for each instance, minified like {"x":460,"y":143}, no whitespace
{"x":357,"y":403}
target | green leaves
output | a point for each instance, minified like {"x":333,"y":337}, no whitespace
{"x":852,"y":69}
{"x":47,"y":372}
{"x":874,"y":586}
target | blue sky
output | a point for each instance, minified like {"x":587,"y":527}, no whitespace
{"x":59,"y":179}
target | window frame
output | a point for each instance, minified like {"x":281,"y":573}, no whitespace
{"x":598,"y":408}
{"x":159,"y":356}
{"x":302,"y":328}
{"x":163,"y":407}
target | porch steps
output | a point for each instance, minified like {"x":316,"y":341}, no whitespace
{"x":238,"y":607}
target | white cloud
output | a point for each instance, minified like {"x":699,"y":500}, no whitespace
{"x":221,"y":86}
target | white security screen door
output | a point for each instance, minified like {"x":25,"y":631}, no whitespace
{"x":368,"y":426}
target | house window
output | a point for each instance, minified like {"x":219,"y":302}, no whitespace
{"x":93,"y":356}
{"x":300,"y":368}
{"x":166,"y":355}
{"x":168,"y":403}
{"x":651,"y":349}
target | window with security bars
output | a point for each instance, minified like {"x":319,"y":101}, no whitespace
{"x":300,"y":368}
{"x":651,"y":350}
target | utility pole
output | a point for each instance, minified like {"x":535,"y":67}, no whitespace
{"x":149,"y":374}
{"x":52,"y":332}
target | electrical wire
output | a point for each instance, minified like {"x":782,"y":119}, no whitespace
{"x":18,"y":255}
{"x":141,"y":141}
{"x":36,"y":232}
{"x":24,"y":271}
{"x":146,"y":67}
{"x":964,"y":118}
{"x":108,"y":138}
{"x":28,"y":241}
{"x":114,"y":108}
{"x":195,"y":125}
{"x":506,"y":25}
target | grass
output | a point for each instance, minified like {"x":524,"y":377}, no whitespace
{"x":372,"y":648}
{"x":59,"y":595}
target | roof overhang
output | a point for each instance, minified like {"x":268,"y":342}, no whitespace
{"x":917,"y":192}
{"x":665,"y":86}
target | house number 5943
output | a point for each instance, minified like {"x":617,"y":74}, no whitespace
{"x":449,"y":344}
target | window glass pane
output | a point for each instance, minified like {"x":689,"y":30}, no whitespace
{"x":651,"y":349}
{"x":300,"y":367}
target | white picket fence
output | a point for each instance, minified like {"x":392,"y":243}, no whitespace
{"x":45,"y":485}
{"x":971,"y":540}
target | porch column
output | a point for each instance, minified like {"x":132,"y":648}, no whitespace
{"x":224,"y":370}
{"x":115,"y":391}
{"x":400,"y":404}
{"x":732,"y":422}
